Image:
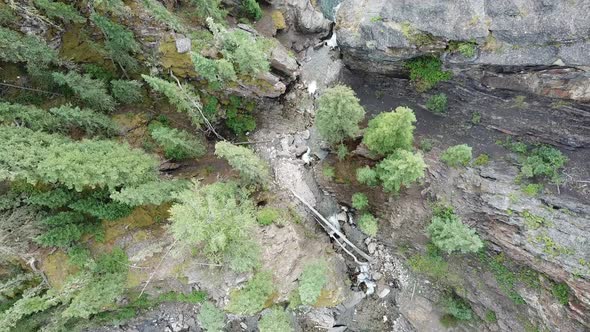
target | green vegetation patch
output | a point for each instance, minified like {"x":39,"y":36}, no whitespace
{"x":426,"y":72}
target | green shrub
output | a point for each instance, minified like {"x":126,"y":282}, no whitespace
{"x":437,"y":103}
{"x":457,"y":307}
{"x":367,"y":175}
{"x":311,"y":282}
{"x":64,"y":229}
{"x":276,"y":320}
{"x":532,"y":189}
{"x":450,"y":235}
{"x":16,"y":47}
{"x":120,"y":42}
{"x":62,"y":119}
{"x":247,"y":53}
{"x":458,"y":155}
{"x":267,"y":216}
{"x":126,"y":92}
{"x":251,"y":8}
{"x":90,"y":91}
{"x":426,"y":144}
{"x":506,"y":279}
{"x":150,"y":193}
{"x":481,"y":160}
{"x":390,"y":131}
{"x":211,"y":318}
{"x":543,"y":161}
{"x":7,"y":15}
{"x":214,"y":71}
{"x":360,"y":201}
{"x":193,"y":297}
{"x":338,"y":114}
{"x":177,"y":144}
{"x":52,"y":199}
{"x":426,"y":72}
{"x":253,"y":170}
{"x":162,"y":14}
{"x":490,"y":316}
{"x":561,"y":291}
{"x":368,"y":224}
{"x":64,"y":12}
{"x":253,"y":296}
{"x":98,"y":72}
{"x":402,"y":168}
{"x":329,"y":172}
{"x":218,"y":218}
{"x":433,"y":265}
{"x":98,"y":205}
{"x":210,"y":8}
{"x":342,"y":152}
{"x":95,"y":164}
{"x":239,"y":122}
{"x":476,"y":118}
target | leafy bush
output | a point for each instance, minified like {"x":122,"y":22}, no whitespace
{"x":457,"y":307}
{"x":126,"y":92}
{"x":360,"y":201}
{"x":253,"y":296}
{"x":338,"y":114}
{"x":177,"y":144}
{"x":532,"y":189}
{"x":215,"y":71}
{"x":247,"y":53}
{"x":342,"y":152}
{"x":426,"y":72}
{"x":490,"y":316}
{"x":162,"y":14}
{"x":251,"y":8}
{"x":467,"y":49}
{"x":61,"y":119}
{"x":15,"y":47}
{"x":329,"y":172}
{"x":192,"y":297}
{"x":253,"y":170}
{"x":311,"y":282}
{"x":426,"y":144}
{"x":183,"y":99}
{"x":90,"y":91}
{"x":277,"y":320}
{"x":367,"y":175}
{"x":239,"y":122}
{"x":543,"y":161}
{"x":267,"y":216}
{"x":52,"y":199}
{"x":458,"y":155}
{"x":99,"y":206}
{"x":211,"y":318}
{"x":368,"y":224}
{"x":64,"y":12}
{"x":152,"y":193}
{"x":65,"y":228}
{"x":390,"y":131}
{"x":434,"y":266}
{"x":219,"y":219}
{"x":120,"y":42}
{"x":481,"y":160}
{"x":561,"y":291}
{"x":402,"y":168}
{"x":210,"y":8}
{"x":450,"y":235}
{"x":437,"y":103}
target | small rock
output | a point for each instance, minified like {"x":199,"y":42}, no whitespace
{"x":306,"y":134}
{"x":372,"y":247}
{"x":377,"y":276}
{"x":183,"y":45}
{"x":384,"y":292}
{"x":243,"y":325}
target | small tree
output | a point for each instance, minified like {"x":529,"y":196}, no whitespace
{"x":458,"y":155}
{"x":90,"y":91}
{"x":218,"y":218}
{"x":367,"y":175}
{"x":390,"y":131}
{"x":178,"y":144}
{"x":368,"y":224}
{"x":153,"y":192}
{"x":401,"y":168}
{"x":252,"y":169}
{"x":277,"y":320}
{"x":338,"y":114}
{"x":450,"y":235}
{"x":211,"y":318}
{"x":126,"y":92}
{"x":360,"y":201}
{"x":252,"y":298}
{"x":311,"y":282}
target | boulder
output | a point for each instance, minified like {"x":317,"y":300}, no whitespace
{"x":283,"y":62}
{"x":304,"y":15}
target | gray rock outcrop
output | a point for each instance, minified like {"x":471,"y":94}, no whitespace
{"x":511,"y":36}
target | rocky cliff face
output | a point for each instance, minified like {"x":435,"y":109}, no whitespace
{"x":535,"y":46}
